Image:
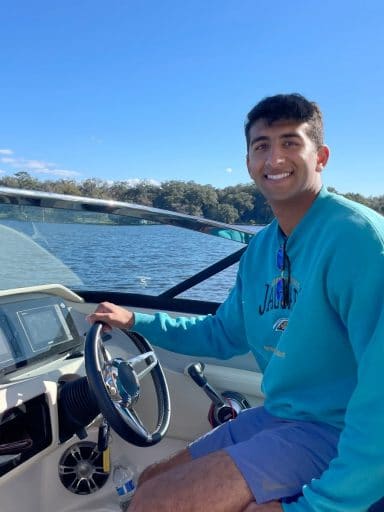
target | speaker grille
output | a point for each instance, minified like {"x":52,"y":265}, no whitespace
{"x":81,"y":468}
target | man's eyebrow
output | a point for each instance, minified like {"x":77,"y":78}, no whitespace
{"x":258,"y":139}
{"x":290,"y":134}
{"x":263,"y":138}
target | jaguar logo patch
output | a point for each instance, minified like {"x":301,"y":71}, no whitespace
{"x":281,"y":324}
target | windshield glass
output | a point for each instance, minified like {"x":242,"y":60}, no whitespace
{"x":98,"y":251}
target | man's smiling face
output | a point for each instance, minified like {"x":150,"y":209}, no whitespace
{"x":283,"y":161}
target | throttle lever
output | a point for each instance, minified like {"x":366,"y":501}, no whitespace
{"x":196,"y":372}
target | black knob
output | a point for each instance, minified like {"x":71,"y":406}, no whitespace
{"x":196,"y":372}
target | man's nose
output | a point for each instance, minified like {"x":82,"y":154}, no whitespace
{"x":275,"y":157}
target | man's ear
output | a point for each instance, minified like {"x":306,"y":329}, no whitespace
{"x":322,"y":157}
{"x":247,"y":163}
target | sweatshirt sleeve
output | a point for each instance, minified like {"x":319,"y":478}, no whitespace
{"x":221,"y":335}
{"x":355,"y":478}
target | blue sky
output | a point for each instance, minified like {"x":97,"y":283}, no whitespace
{"x":158,"y":90}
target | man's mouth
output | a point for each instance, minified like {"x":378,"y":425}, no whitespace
{"x":277,"y":177}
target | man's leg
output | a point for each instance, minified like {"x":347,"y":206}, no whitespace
{"x":272,"y":464}
{"x":272,"y":506}
{"x":182,"y":458}
{"x":160,"y":467}
{"x":215,"y":440}
{"x":210,"y":483}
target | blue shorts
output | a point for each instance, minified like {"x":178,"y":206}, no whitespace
{"x":275,"y":456}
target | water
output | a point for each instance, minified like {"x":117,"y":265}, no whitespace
{"x":145,"y":259}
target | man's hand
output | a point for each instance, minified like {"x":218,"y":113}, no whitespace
{"x":112,"y":316}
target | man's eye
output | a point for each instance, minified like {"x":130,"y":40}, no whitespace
{"x":290,"y":143}
{"x":260,"y":147}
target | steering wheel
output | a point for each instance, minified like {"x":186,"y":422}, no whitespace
{"x":115,"y":384}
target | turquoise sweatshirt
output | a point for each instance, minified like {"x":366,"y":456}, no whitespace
{"x":323,"y":355}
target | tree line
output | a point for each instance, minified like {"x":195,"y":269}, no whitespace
{"x":238,"y":204}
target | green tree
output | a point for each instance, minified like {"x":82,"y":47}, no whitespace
{"x":227,"y":213}
{"x":143,"y":193}
{"x":21,"y":179}
{"x":93,"y":187}
{"x":186,"y":197}
{"x":62,"y":186}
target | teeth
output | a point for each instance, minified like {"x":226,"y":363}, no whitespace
{"x":276,"y":177}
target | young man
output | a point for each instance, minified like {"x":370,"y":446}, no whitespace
{"x":309,"y":304}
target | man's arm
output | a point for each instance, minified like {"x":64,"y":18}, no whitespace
{"x":355,"y":478}
{"x":221,"y":335}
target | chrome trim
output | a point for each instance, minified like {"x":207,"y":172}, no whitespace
{"x":139,"y":359}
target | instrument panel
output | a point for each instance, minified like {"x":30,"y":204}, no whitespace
{"x":34,"y":328}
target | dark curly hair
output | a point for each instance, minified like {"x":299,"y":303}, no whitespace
{"x":288,"y":106}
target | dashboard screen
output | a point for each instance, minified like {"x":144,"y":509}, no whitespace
{"x":44,"y":326}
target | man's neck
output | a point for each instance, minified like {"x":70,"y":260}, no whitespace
{"x":290,"y":212}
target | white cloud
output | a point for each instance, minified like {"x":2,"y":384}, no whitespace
{"x":156,"y":183}
{"x":62,"y":173}
{"x":35,"y":166}
{"x":2,"y":172}
{"x":229,"y":170}
{"x":7,"y":160}
{"x":136,"y":181}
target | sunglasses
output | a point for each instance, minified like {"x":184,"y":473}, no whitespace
{"x":284,"y":281}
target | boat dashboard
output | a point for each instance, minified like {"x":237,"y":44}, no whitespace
{"x":47,"y":421}
{"x":39,"y":336}
{"x":32,"y":329}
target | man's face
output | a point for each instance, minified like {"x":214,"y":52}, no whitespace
{"x":283,"y":161}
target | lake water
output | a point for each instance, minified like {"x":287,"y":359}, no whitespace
{"x":145,"y":259}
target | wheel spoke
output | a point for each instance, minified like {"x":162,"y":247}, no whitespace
{"x":130,"y":416}
{"x":105,"y":354}
{"x":148,"y":357}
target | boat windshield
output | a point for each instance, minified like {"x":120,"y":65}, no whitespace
{"x":123,"y":249}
